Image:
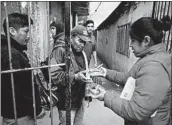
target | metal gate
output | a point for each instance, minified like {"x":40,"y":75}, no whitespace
{"x":67,"y":12}
{"x":161,"y":9}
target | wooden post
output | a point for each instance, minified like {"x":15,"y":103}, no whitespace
{"x":67,"y":13}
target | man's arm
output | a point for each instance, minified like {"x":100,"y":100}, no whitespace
{"x":58,"y":72}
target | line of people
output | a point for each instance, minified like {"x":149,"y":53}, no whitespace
{"x":19,"y":36}
{"x":152,"y":72}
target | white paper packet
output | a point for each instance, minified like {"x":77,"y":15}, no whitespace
{"x":128,"y":90}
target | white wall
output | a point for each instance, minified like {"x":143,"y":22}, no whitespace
{"x":107,"y":50}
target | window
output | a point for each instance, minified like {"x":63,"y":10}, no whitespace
{"x":161,"y":9}
{"x":122,"y":45}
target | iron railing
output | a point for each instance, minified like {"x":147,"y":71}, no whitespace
{"x":160,"y":9}
{"x":67,"y":63}
{"x":123,"y":39}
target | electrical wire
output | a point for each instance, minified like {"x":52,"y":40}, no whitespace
{"x":95,"y":10}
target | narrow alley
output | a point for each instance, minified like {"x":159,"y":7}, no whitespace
{"x":60,"y":53}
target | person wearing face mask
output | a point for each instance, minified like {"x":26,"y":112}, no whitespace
{"x":151,"y":100}
{"x":77,"y":80}
{"x":19,"y":38}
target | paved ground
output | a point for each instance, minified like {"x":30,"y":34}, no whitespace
{"x":95,"y":114}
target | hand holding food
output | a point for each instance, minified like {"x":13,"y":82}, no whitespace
{"x":98,"y":92}
{"x":99,"y":71}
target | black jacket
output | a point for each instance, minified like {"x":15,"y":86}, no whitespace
{"x":58,"y":74}
{"x":22,"y":82}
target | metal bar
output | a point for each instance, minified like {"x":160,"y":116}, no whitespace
{"x":158,"y":9}
{"x":31,"y":53}
{"x":168,"y":8}
{"x":127,"y":40}
{"x":119,"y":40}
{"x":168,"y":40}
{"x":117,"y":44}
{"x":164,"y":8}
{"x":10,"y":58}
{"x":26,"y":69}
{"x":124,"y":25}
{"x":164,"y":37}
{"x":123,"y":40}
{"x":49,"y":70}
{"x":161,"y":15}
{"x":170,"y":48}
{"x":161,"y":12}
{"x":155,"y":9}
{"x":153,"y":12}
{"x":164,"y":15}
{"x":67,"y":61}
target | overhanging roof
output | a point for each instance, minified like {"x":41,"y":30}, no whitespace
{"x":80,"y":7}
{"x":114,"y":16}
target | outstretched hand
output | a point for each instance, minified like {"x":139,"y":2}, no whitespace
{"x":101,"y":71}
{"x":80,"y":76}
{"x":98,"y":92}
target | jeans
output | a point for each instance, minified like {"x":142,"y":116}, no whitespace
{"x":26,"y":120}
{"x":76,"y":116}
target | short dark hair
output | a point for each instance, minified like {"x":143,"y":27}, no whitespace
{"x":88,"y":22}
{"x":59,"y":27}
{"x":16,"y":20}
{"x":151,"y":27}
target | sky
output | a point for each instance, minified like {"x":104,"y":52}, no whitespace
{"x":103,"y":11}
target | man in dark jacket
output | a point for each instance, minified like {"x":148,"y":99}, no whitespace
{"x":19,"y":37}
{"x":78,"y":63}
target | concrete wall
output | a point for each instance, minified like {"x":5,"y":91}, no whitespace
{"x":11,"y":7}
{"x":107,"y":38}
{"x":40,"y":27}
{"x":56,"y":11}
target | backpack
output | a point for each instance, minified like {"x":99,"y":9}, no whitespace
{"x":43,"y":79}
{"x":45,"y":63}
